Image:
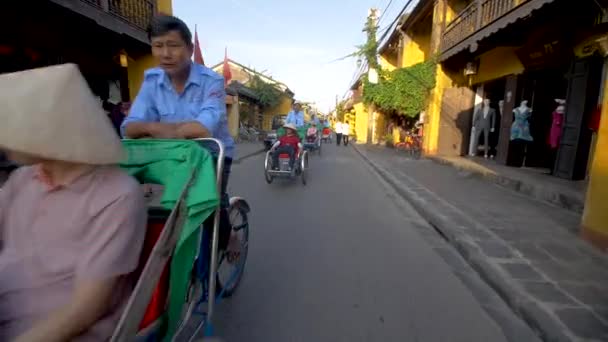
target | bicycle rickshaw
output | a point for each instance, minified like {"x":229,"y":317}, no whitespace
{"x":180,"y":268}
{"x":326,"y":135}
{"x":283,"y":170}
{"x":312,"y":146}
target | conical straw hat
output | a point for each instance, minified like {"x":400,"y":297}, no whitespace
{"x":51,"y":113}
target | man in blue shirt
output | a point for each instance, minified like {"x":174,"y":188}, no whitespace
{"x":296,"y":116}
{"x":181,"y":100}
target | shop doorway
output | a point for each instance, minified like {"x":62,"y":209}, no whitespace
{"x":541,"y":88}
{"x":584,"y":83}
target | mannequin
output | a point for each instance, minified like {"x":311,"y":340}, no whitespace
{"x":557,"y":125}
{"x":520,"y":129}
{"x":483,"y":122}
{"x":495,"y":135}
{"x":520,"y":134}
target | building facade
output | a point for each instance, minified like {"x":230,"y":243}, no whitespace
{"x":107,"y":39}
{"x":544,"y":58}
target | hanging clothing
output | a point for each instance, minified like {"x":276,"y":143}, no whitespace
{"x":555,"y":133}
{"x":520,"y":129}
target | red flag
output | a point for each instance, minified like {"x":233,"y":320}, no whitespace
{"x":198,"y":55}
{"x":227,"y":73}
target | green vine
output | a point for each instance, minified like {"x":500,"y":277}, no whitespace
{"x":404,"y":91}
{"x":268,"y":94}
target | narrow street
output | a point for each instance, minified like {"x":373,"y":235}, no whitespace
{"x":342,"y":259}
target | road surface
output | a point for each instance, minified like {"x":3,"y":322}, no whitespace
{"x":341,"y":260}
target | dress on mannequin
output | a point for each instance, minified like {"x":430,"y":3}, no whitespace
{"x":555,"y":133}
{"x":520,"y":134}
{"x":483,"y":123}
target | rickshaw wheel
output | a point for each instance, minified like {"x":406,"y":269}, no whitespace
{"x":232,"y":274}
{"x":269,"y":178}
{"x":304,"y":168}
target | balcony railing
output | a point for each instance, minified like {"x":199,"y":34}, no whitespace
{"x":137,"y":13}
{"x":476,"y":16}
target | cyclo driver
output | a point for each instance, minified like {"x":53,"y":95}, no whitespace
{"x":183,"y":100}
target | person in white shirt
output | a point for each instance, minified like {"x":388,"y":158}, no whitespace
{"x":345,"y":132}
{"x":338,"y":132}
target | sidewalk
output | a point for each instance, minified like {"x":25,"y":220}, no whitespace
{"x":531,"y":182}
{"x":527,"y":250}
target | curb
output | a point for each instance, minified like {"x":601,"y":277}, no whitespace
{"x":548,"y":327}
{"x":530,"y":189}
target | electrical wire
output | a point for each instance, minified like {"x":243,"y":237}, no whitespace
{"x":395,"y":21}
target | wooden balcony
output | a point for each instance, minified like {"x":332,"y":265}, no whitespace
{"x":130,"y":17}
{"x":134,"y":12}
{"x":475,"y":17}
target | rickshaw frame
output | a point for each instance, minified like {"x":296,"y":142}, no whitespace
{"x":127,"y":328}
{"x":300,"y":169}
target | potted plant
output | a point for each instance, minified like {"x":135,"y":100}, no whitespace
{"x":388,"y":140}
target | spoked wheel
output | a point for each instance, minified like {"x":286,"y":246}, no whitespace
{"x":230,"y":270}
{"x":304,"y":168}
{"x":267,"y":167}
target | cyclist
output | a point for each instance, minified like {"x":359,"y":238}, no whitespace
{"x":182,"y":100}
{"x":296,"y":116}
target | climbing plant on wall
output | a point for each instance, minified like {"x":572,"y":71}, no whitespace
{"x":403,"y":90}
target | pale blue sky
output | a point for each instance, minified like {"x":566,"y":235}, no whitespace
{"x":293,"y":41}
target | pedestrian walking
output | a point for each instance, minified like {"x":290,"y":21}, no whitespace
{"x":345,"y":132}
{"x":338,"y":132}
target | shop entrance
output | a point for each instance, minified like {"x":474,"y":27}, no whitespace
{"x":584,"y":83}
{"x":541,"y":89}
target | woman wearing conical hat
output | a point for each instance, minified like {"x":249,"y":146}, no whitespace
{"x":71,"y":222}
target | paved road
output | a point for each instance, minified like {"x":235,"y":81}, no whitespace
{"x":340,"y":260}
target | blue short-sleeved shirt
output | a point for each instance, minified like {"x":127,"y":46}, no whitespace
{"x":296,"y":118}
{"x":203,"y":100}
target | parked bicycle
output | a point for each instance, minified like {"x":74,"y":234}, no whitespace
{"x":411,"y":145}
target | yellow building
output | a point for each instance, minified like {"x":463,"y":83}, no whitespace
{"x":140,"y":62}
{"x":261,"y":118}
{"x":108,"y":40}
{"x":480,"y":57}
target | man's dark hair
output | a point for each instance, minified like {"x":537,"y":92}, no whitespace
{"x":163,"y":24}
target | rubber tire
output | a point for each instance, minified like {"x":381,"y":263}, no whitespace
{"x":304,"y":170}
{"x":219,"y":287}
{"x":269,"y":178}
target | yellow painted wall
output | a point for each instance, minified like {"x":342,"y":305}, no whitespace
{"x":282,"y":109}
{"x":361,"y":117}
{"x":165,"y":6}
{"x":386,"y":64}
{"x":136,"y":70}
{"x":431,"y":126}
{"x":379,"y":130}
{"x":396,"y":135}
{"x":595,"y":215}
{"x":137,"y":67}
{"x":232,"y":110}
{"x":497,"y":63}
{"x":412,"y":53}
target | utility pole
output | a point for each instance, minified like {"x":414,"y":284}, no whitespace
{"x":371,"y":35}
